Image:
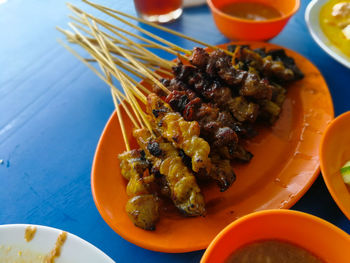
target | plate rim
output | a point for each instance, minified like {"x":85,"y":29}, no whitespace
{"x":57,"y":231}
{"x":287,"y":205}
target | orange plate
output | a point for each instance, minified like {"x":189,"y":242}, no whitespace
{"x":284,"y":166}
{"x":334,"y":153}
{"x":316,"y":235}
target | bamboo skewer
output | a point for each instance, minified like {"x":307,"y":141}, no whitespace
{"x":126,"y":84}
{"x":141,"y":38}
{"x":91,"y":46}
{"x":85,"y":62}
{"x":151,"y":57}
{"x":152,"y":66}
{"x":112,"y":28}
{"x":107,"y":63}
{"x":82,"y":15}
{"x":104,"y":49}
{"x":140,"y":61}
{"x":165,"y":72}
{"x":122,"y":64}
{"x":146,"y":51}
{"x":104,"y":8}
{"x":121,"y":123}
{"x":126,"y":65}
{"x":115,"y":90}
{"x":117,"y":93}
{"x":138,"y":84}
{"x":115,"y":40}
{"x":111,"y":45}
{"x":130,"y":91}
{"x":144,"y":70}
{"x":136,"y":106}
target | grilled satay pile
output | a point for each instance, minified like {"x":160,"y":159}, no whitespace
{"x":204,"y":106}
{"x":212,"y":125}
{"x":226,"y":95}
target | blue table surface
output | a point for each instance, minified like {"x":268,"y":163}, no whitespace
{"x":53,"y":110}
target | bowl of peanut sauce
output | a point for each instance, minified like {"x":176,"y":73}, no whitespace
{"x":279,"y":236}
{"x":252,"y":20}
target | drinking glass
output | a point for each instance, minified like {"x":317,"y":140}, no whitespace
{"x":160,"y":11}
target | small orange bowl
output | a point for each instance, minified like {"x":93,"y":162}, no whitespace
{"x":334,"y":153}
{"x":317,"y":236}
{"x":243,"y":29}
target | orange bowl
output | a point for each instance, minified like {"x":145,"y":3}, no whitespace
{"x":317,"y":236}
{"x":243,"y":29}
{"x":334,"y":153}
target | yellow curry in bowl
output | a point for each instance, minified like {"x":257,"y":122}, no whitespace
{"x":335,"y":23}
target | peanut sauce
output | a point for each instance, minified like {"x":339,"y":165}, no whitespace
{"x":56,"y":251}
{"x":272,"y":251}
{"x":29,"y":233}
{"x":251,"y":11}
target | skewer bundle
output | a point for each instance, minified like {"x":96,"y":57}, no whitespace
{"x":205,"y":103}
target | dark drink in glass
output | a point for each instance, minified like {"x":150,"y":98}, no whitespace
{"x":160,"y":11}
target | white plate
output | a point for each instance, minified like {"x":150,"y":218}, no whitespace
{"x":74,"y":249}
{"x":312,"y":17}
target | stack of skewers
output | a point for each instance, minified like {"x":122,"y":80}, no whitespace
{"x":201,"y":109}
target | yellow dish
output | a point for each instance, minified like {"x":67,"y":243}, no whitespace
{"x":335,"y":23}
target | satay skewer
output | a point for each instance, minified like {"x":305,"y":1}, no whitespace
{"x":184,"y":190}
{"x":142,"y":206}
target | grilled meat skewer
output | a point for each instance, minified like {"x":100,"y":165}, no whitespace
{"x":142,"y":206}
{"x":183,"y":134}
{"x":182,"y":184}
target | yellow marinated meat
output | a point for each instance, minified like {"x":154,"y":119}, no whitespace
{"x":182,"y":134}
{"x":267,"y":65}
{"x":142,"y":206}
{"x":184,"y":190}
{"x":143,"y":211}
{"x":131,"y":163}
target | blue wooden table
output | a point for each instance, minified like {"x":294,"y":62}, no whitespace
{"x":53,"y":110}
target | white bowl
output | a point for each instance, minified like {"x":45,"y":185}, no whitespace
{"x":74,"y":250}
{"x":312,"y":17}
